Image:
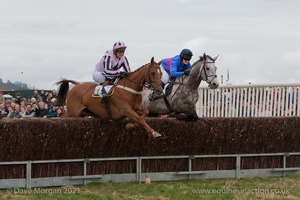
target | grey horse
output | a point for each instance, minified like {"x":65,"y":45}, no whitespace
{"x":181,"y":102}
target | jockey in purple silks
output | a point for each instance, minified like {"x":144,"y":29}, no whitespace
{"x":113,"y":64}
{"x":174,"y":67}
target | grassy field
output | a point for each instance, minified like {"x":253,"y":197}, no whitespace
{"x":254,"y":188}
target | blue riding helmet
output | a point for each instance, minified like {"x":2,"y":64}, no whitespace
{"x":186,"y":53}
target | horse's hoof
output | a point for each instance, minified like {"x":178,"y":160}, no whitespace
{"x":156,"y":134}
{"x":129,"y":126}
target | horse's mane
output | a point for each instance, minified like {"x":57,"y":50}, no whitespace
{"x":201,"y":59}
{"x":196,"y":61}
{"x":140,"y":68}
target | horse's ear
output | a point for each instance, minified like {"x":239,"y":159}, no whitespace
{"x":159,"y":63}
{"x":204,"y":56}
{"x":215,"y":58}
{"x":152,"y":60}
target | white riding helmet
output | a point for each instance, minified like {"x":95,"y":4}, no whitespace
{"x":119,"y":45}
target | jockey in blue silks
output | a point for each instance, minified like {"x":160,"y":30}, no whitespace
{"x":174,"y":67}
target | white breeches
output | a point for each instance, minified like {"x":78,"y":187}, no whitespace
{"x":98,"y":76}
{"x":165,"y":75}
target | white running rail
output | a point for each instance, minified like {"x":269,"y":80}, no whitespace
{"x":267,"y":100}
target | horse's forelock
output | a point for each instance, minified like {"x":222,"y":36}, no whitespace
{"x":201,"y":58}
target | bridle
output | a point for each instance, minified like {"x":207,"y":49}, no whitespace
{"x":205,"y":73}
{"x":203,"y":68}
{"x":148,"y":84}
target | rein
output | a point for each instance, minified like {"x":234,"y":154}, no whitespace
{"x":181,"y":83}
{"x":149,"y":85}
{"x":202,"y":68}
{"x":205,"y":73}
{"x":149,"y":78}
{"x":129,"y":89}
{"x":206,"y":76}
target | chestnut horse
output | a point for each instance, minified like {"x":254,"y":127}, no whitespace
{"x":124,"y":102}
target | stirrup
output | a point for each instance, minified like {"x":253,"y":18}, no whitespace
{"x":104,"y":95}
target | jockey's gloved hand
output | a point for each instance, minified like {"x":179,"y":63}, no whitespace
{"x":123,"y":74}
{"x":187,"y":72}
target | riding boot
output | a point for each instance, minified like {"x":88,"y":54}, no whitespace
{"x":170,"y":86}
{"x":172,"y":81}
{"x":104,"y":94}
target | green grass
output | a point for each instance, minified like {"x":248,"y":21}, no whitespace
{"x":254,"y":188}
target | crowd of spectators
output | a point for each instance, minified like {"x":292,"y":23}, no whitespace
{"x":41,"y":105}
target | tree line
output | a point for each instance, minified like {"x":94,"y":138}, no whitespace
{"x":17,"y":85}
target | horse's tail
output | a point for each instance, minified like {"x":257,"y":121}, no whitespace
{"x":63,"y":90}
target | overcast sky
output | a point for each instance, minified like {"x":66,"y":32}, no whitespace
{"x":41,"y":41}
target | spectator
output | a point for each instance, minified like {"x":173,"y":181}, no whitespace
{"x":18,"y":98}
{"x":36,"y":95}
{"x":41,"y":111}
{"x":23,"y":102}
{"x":54,"y":93}
{"x":22,"y":111}
{"x":3,"y":112}
{"x":35,"y":108}
{"x":53,"y":112}
{"x":30,"y":111}
{"x":46,"y":96}
{"x":7,"y":102}
{"x":16,"y":113}
{"x":43,"y":95}
{"x":10,"y":113}
{"x":12,"y":104}
{"x":49,"y":98}
{"x":2,"y":99}
{"x":33,"y":100}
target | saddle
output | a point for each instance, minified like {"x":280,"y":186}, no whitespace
{"x":98,"y":92}
{"x":106,"y":91}
{"x":167,"y":91}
